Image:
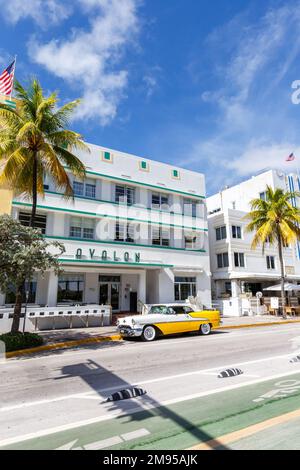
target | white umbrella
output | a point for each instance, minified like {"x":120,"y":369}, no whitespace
{"x":287,"y":287}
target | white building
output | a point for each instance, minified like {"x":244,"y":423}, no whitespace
{"x":135,"y":231}
{"x":236,"y":268}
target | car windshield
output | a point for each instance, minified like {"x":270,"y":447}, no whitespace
{"x":170,"y":310}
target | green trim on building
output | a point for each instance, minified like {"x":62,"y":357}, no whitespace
{"x":139,"y":183}
{"x":113,"y":242}
{"x":135,"y":206}
{"x":124,"y":263}
{"x":94,"y":214}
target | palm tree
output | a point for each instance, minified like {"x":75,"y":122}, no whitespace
{"x":34,"y":143}
{"x":275,"y":220}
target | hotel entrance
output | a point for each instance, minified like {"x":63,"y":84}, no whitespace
{"x":109,"y":292}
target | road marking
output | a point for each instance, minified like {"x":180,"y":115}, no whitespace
{"x":123,"y":413}
{"x":104,"y":443}
{"x":135,"y":434}
{"x":246,"y":432}
{"x":142,"y":382}
{"x":112,"y":441}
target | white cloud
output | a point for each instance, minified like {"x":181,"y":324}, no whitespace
{"x":90,"y":59}
{"x":41,"y":11}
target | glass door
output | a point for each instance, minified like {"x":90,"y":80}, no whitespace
{"x":110,"y":295}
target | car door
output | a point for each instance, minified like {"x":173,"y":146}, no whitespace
{"x":182,"y":319}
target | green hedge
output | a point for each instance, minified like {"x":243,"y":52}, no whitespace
{"x":16,"y":341}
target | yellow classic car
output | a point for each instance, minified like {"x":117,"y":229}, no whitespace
{"x":168,"y":319}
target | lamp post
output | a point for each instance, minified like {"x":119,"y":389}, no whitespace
{"x":26,"y":302}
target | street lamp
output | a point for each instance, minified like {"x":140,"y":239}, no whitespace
{"x":27,"y":287}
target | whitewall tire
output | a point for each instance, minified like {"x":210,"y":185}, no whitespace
{"x":205,"y":329}
{"x":149,"y":333}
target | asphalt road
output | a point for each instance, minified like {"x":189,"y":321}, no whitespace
{"x":57,"y":399}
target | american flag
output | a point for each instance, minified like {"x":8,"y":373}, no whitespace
{"x":290,"y":158}
{"x":7,"y":80}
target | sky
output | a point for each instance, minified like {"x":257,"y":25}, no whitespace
{"x":206,"y":85}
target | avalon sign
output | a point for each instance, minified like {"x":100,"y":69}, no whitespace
{"x":104,"y":256}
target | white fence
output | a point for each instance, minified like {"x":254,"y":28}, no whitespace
{"x":47,"y":318}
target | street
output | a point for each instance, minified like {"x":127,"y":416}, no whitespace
{"x":58,"y":399}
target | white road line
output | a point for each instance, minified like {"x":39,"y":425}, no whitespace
{"x":135,"y":434}
{"x":112,"y":441}
{"x":121,"y":413}
{"x":143,"y":382}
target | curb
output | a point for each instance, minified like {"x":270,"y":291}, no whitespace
{"x":65,"y":344}
{"x":117,"y":337}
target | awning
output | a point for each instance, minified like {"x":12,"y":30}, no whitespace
{"x":288,"y":287}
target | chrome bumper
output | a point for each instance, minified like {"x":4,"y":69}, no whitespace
{"x":129,"y":332}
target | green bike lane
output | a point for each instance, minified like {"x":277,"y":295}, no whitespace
{"x":188,"y":423}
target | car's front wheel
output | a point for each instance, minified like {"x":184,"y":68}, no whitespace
{"x":149,"y":333}
{"x":205,"y":329}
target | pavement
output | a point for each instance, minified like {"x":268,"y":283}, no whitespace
{"x":58,"y":400}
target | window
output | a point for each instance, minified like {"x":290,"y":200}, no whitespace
{"x":160,"y":201}
{"x":11,"y":293}
{"x":190,"y":241}
{"x":222,"y":260}
{"x":40,"y":221}
{"x":239,"y":260}
{"x":125,"y":195}
{"x":144,"y":166}
{"x":236,"y":231}
{"x":107,"y":157}
{"x":82,"y":228}
{"x":185,"y":287}
{"x":125,"y":232}
{"x":263,"y":196}
{"x":221,"y":233}
{"x":228,"y":288}
{"x":85,"y":189}
{"x":160,"y":236}
{"x":271,"y":262}
{"x":175,"y":174}
{"x":190,"y":207}
{"x":70,"y":288}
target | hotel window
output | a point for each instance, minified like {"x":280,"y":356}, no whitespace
{"x":40,"y":221}
{"x":222,"y":260}
{"x":85,"y":189}
{"x":239,"y":260}
{"x":236,"y":231}
{"x":144,"y":166}
{"x":271,"y":262}
{"x":107,"y":157}
{"x":125,"y":232}
{"x":160,"y":236}
{"x":31,"y":286}
{"x":190,"y":207}
{"x":160,"y":201}
{"x":70,"y":288}
{"x":125,"y":195}
{"x":185,"y":287}
{"x":263,"y":196}
{"x":82,"y":228}
{"x":191,"y":241}
{"x":221,"y":233}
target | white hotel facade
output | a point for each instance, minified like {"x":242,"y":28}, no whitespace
{"x":236,"y":268}
{"x":136,"y":230}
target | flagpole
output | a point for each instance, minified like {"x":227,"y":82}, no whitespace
{"x":13,"y":78}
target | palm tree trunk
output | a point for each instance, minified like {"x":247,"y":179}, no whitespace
{"x":34,"y":191}
{"x":17,"y":310}
{"x":282,"y":273}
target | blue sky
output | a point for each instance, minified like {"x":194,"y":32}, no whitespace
{"x":200,"y":84}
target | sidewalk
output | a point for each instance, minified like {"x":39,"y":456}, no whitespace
{"x":58,"y":336}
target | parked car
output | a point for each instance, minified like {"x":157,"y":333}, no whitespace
{"x":168,"y":319}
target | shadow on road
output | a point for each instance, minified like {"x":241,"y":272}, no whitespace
{"x":100,"y":380}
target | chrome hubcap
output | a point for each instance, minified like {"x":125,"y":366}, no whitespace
{"x":149,"y":333}
{"x":205,"y":329}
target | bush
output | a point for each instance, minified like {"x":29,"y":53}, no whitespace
{"x":16,"y":341}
